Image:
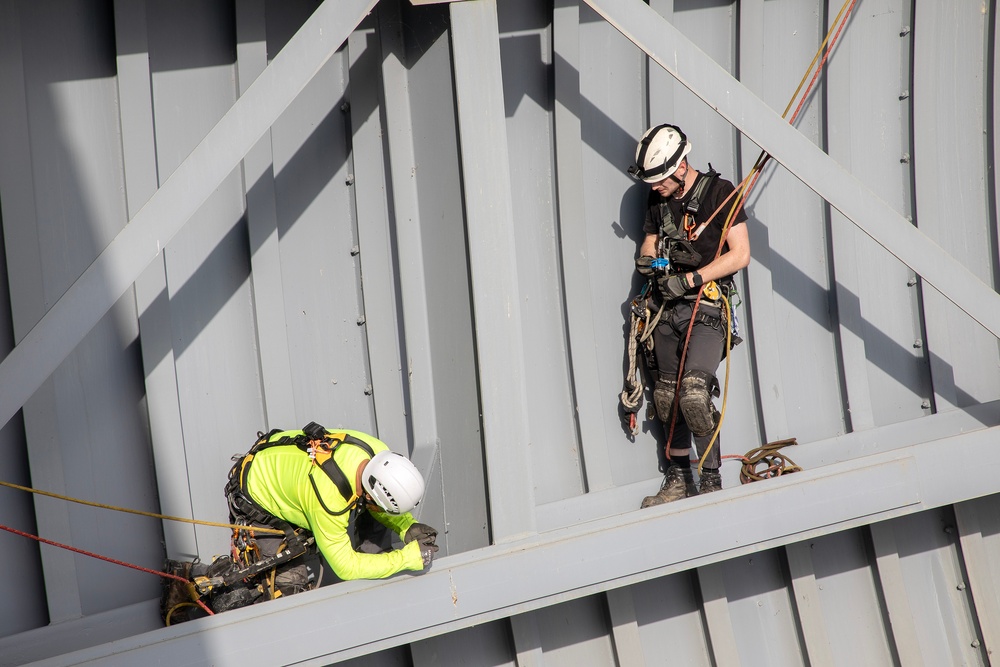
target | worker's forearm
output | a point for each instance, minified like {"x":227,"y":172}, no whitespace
{"x":648,"y":248}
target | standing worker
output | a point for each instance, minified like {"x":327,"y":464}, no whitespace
{"x":684,"y":227}
{"x":344,"y":490}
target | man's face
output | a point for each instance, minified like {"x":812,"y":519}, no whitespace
{"x":669,"y":185}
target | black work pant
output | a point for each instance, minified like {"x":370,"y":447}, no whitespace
{"x":704,"y":352}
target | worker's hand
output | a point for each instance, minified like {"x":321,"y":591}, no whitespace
{"x":427,"y":555}
{"x":672,"y":287}
{"x":423,"y":534}
{"x":644,"y":265}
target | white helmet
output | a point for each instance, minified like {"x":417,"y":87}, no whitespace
{"x":659,"y":153}
{"x":393,"y":482}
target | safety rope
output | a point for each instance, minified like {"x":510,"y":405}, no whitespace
{"x":774,"y":464}
{"x":744,"y":190}
{"x":188,"y":586}
{"x":640,"y":329}
{"x":166,"y":575}
{"x":139,"y":512}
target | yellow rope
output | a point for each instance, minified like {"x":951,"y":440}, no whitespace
{"x":725,"y":385}
{"x":139,"y":512}
{"x":816,"y":57}
{"x":180,"y":605}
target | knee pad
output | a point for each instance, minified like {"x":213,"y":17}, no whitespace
{"x":663,"y":398}
{"x":696,"y":390}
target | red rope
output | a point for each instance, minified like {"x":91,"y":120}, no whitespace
{"x":166,"y":575}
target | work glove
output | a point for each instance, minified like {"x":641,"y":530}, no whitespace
{"x":427,"y":555}
{"x":676,"y":286}
{"x":672,"y":287}
{"x":422,"y":533}
{"x":644,"y":265}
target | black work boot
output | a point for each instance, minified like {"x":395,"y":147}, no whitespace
{"x":710,"y":481}
{"x":675,"y":486}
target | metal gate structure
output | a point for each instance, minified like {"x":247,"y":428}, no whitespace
{"x":412,"y":218}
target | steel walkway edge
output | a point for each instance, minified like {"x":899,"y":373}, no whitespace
{"x":548,"y":568}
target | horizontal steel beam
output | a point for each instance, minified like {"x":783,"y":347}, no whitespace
{"x":808,"y":455}
{"x":675,"y":53}
{"x":86,"y":301}
{"x":503,"y":580}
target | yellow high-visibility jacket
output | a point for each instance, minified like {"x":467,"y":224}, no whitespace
{"x":278,"y":481}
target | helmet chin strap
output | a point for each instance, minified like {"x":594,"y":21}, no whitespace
{"x":679,"y":192}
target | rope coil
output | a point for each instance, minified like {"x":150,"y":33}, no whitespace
{"x":766,"y":462}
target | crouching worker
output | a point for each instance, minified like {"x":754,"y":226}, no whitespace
{"x":337,"y":493}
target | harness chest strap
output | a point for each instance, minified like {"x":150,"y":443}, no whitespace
{"x":668,"y":227}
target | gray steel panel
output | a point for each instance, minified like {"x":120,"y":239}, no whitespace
{"x":789,"y":237}
{"x":404,"y":204}
{"x":949,"y":94}
{"x":977,"y":565}
{"x":941,"y":607}
{"x":760,"y":605}
{"x":79,"y":436}
{"x":761,"y":302}
{"x":24,"y":608}
{"x":579,"y":309}
{"x":493,"y":261}
{"x":141,"y":181}
{"x":894,"y":593}
{"x":262,"y":230}
{"x":121,"y":262}
{"x":433,"y":257}
{"x":718,"y":621}
{"x":884,"y":364}
{"x":383,"y":325}
{"x":712,"y":26}
{"x":527,"y":642}
{"x":206,"y":263}
{"x":671,"y":622}
{"x":848,"y":597}
{"x":624,"y":628}
{"x":486,"y":644}
{"x":816,"y":641}
{"x":526,"y":55}
{"x":574,"y":633}
{"x":612,"y":85}
{"x":320,"y":278}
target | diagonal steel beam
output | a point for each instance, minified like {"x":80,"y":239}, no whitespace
{"x":86,"y":301}
{"x":672,"y":51}
{"x":549,"y":568}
